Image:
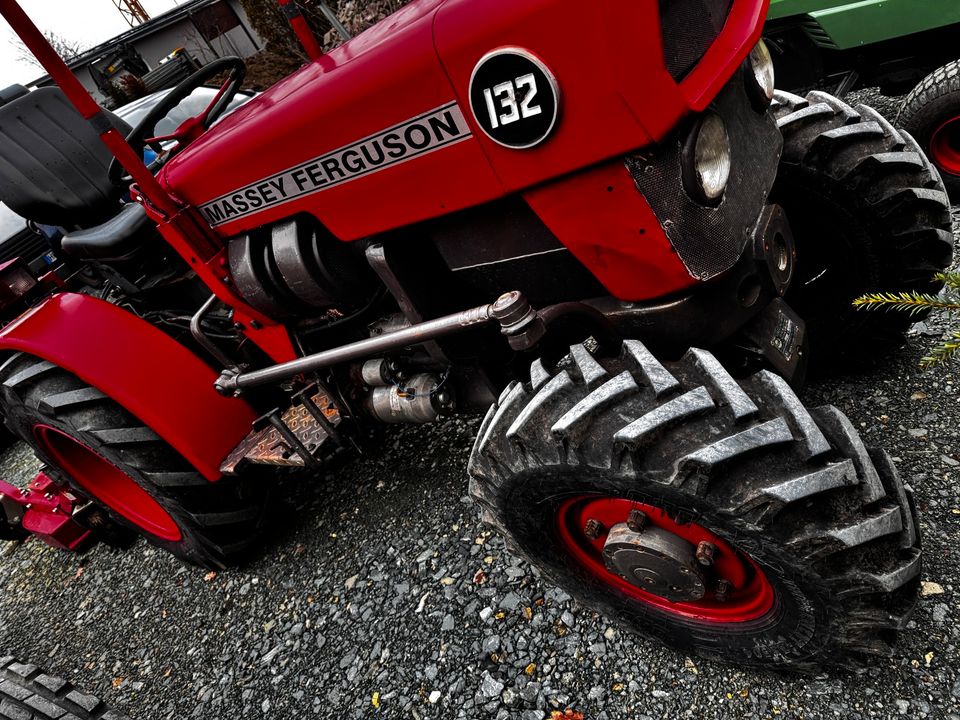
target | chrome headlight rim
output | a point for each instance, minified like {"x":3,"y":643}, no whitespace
{"x":707,"y":160}
{"x":760,"y":76}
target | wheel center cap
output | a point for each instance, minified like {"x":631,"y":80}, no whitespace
{"x":656,"y":561}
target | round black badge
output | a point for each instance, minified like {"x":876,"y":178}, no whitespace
{"x":514,"y":98}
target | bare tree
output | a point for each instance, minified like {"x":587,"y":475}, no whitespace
{"x":65,"y":48}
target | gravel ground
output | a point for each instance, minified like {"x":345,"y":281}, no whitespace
{"x":383,"y":596}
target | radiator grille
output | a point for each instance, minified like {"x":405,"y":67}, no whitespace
{"x":689,"y":29}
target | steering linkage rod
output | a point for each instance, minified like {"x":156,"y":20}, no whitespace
{"x":518,"y":321}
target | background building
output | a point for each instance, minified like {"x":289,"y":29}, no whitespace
{"x":205,"y":29}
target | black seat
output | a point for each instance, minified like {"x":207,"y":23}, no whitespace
{"x":53,"y":166}
{"x":116,"y":239}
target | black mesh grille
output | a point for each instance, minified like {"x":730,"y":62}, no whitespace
{"x":709,"y":240}
{"x":689,"y":29}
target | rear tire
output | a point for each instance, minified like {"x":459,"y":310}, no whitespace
{"x":27,"y":693}
{"x":825,"y":520}
{"x":927,"y":113}
{"x":868,"y":212}
{"x":211,"y":524}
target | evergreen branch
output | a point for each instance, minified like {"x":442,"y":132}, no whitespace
{"x":943,"y":352}
{"x":912,"y":302}
{"x":950,"y":279}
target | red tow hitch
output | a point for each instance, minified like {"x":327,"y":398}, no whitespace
{"x":44,"y":509}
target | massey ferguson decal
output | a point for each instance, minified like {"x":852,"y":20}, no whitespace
{"x":410,"y":139}
{"x":514,"y":97}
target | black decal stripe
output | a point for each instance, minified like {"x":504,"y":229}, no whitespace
{"x":309,"y":187}
{"x":330,"y":184}
{"x":372,"y":136}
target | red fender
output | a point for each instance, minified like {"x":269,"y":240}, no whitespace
{"x":151,"y":375}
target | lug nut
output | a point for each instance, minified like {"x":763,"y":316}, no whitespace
{"x":722,"y":590}
{"x":637,"y":520}
{"x":593,"y":529}
{"x":705,"y":553}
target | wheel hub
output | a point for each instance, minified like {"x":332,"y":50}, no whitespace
{"x":662,"y":559}
{"x":656,"y":561}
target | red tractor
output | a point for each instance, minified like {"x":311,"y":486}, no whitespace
{"x":625,"y":251}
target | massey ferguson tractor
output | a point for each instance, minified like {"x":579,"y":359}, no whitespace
{"x":604,"y":229}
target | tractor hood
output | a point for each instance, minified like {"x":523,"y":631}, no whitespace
{"x":409,"y":120}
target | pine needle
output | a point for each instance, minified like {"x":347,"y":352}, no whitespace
{"x":950,"y":279}
{"x":943,"y":352}
{"x":912,"y":302}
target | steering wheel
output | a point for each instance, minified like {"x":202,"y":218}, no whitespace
{"x":191,"y":128}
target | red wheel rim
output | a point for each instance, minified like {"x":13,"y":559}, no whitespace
{"x":107,"y":483}
{"x":751,"y":596}
{"x":945,"y":147}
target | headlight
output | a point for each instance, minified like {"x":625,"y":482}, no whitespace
{"x":707,"y":160}
{"x":760,"y":75}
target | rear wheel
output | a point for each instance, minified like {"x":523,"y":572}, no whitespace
{"x":719,"y":516}
{"x":109,"y":456}
{"x":931,"y":113}
{"x":868,"y":213}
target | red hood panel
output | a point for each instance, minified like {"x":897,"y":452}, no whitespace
{"x":615,"y":96}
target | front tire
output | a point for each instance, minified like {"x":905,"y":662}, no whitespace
{"x":104,"y":453}
{"x":868,"y":212}
{"x":814,"y":531}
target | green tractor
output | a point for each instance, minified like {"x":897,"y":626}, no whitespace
{"x":904,"y":47}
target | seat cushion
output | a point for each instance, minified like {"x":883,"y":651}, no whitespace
{"x":116,"y":239}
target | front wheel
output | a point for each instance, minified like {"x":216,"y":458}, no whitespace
{"x":868,"y":212}
{"x":720,"y":516}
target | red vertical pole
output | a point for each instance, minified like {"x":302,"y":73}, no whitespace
{"x":299,"y":24}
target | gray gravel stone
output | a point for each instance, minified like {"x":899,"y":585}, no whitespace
{"x":510,"y":601}
{"x":491,"y":644}
{"x":489,"y":686}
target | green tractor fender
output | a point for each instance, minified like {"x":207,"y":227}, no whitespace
{"x":846,"y":25}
